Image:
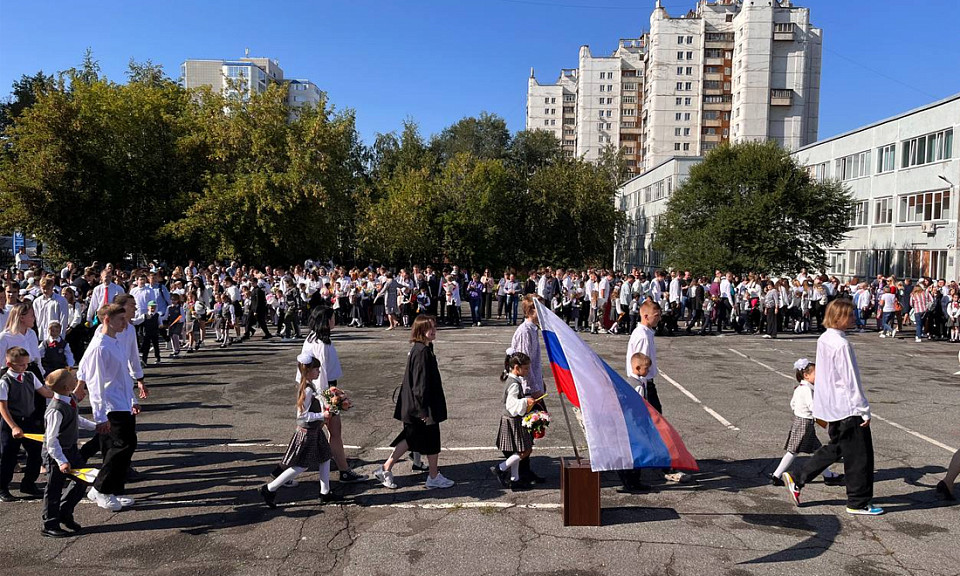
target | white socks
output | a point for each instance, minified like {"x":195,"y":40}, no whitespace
{"x":291,"y":473}
{"x":513,"y":463}
{"x":785,"y":463}
{"x":325,"y":477}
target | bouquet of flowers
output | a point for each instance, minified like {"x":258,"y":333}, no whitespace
{"x":336,"y":400}
{"x":537,"y":422}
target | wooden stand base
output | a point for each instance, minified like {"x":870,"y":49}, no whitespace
{"x":580,"y":493}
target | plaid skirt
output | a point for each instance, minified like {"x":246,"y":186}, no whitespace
{"x":513,"y":437}
{"x":308,"y":449}
{"x":803,"y":437}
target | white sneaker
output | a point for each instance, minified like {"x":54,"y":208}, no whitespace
{"x":125,"y":502}
{"x":918,"y":340}
{"x":108,"y":502}
{"x":439,"y":481}
{"x":883,"y":334}
{"x":895,"y":332}
{"x":385,"y":478}
{"x":681,"y":477}
{"x":92,"y":494}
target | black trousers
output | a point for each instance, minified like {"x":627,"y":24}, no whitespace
{"x":10,"y":449}
{"x":772,"y":322}
{"x":257,"y":321}
{"x":148,"y":341}
{"x":854,"y":443}
{"x":57,"y":505}
{"x":630,"y":478}
{"x":118,"y":448}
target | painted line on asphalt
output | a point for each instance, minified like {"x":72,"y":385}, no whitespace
{"x":706,"y":408}
{"x":147,"y":504}
{"x":900,"y":427}
{"x":174,"y":444}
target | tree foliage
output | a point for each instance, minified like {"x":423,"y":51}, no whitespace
{"x":751,"y":207}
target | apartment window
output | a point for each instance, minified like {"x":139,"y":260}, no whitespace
{"x":603,"y":88}
{"x":546,"y":110}
{"x":568,"y":98}
{"x":853,"y":166}
{"x":679,"y":55}
{"x":710,"y":131}
{"x":630,"y":86}
{"x":686,"y":131}
{"x":688,"y":86}
{"x":679,"y":101}
{"x":569,"y":132}
{"x":600,"y":125}
{"x":886,"y":158}
{"x":609,"y":113}
{"x":608,"y":125}
{"x":689,"y":55}
{"x":687,"y":101}
{"x":689,"y":39}
{"x":553,"y":122}
{"x":628,"y":149}
{"x":679,"y":116}
{"x":859,"y":215}
{"x":883,"y":211}
{"x":609,"y":100}
{"x":924,"y":207}
{"x":546,"y":122}
{"x":917,"y":263}
{"x":679,"y":39}
{"x":686,"y":146}
{"x":679,"y":70}
{"x":553,"y":100}
{"x":925,"y":149}
{"x":569,"y":120}
{"x":676,"y":131}
{"x":603,"y":75}
{"x":546,"y":100}
{"x":569,"y":142}
{"x":629,"y":112}
{"x":601,"y":101}
{"x":686,"y":116}
{"x":783,"y":27}
{"x":609,"y":87}
{"x":676,"y":146}
{"x":601,"y":113}
{"x":689,"y":70}
{"x":679,"y":85}
{"x":838,"y":262}
{"x":712,"y":84}
{"x":713,"y":53}
{"x":553,"y":110}
{"x":568,"y":110}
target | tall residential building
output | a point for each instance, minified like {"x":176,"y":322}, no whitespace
{"x":250,"y":75}
{"x":726,"y":71}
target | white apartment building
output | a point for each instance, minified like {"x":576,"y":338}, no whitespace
{"x":903,"y":173}
{"x":247,"y":75}
{"x":726,"y":71}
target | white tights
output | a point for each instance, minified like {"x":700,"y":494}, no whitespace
{"x":294,"y":471}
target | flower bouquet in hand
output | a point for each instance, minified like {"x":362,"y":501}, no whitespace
{"x":336,"y":400}
{"x":537,"y":422}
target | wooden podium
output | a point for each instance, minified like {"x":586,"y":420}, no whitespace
{"x":580,"y":493}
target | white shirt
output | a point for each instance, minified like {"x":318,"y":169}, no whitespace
{"x":53,"y":420}
{"x":642,"y":340}
{"x":526,"y":339}
{"x":104,"y":369}
{"x":143,"y":296}
{"x":5,"y":391}
{"x":839,"y":387}
{"x":725,"y":289}
{"x":28,"y":341}
{"x":97,"y":298}
{"x":604,"y":291}
{"x":802,"y":401}
{"x":330,"y":369}
{"x":52,"y":309}
{"x":889,"y":302}
{"x":674,"y":290}
{"x":128,"y":343}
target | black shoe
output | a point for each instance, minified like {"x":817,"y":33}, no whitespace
{"x":331,"y":498}
{"x":421,"y":467}
{"x":501,"y":476}
{"x":943,"y":492}
{"x":269,"y":498}
{"x":31,"y":490}
{"x":837,"y":480}
{"x":350,"y":477}
{"x":55,"y":533}
{"x":635,"y":487}
{"x":71,"y":525}
{"x":775,"y":480}
{"x":6,"y":496}
{"x":519,"y":486}
{"x":532,"y":477}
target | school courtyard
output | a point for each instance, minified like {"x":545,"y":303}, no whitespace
{"x":218,"y":421}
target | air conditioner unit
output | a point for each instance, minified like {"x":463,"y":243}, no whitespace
{"x":928,"y":227}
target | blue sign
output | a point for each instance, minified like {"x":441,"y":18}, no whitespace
{"x":18,"y":241}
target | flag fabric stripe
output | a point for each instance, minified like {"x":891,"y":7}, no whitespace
{"x":623,"y":430}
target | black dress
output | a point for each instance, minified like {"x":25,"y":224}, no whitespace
{"x":421,"y":405}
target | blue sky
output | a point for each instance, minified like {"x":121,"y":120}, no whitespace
{"x":437,"y":61}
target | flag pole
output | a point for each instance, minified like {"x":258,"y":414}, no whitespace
{"x":566,"y":417}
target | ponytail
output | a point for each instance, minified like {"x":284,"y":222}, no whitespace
{"x":304,"y":383}
{"x":512,"y":360}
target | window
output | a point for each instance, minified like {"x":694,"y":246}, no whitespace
{"x":601,"y":125}
{"x":689,"y":39}
{"x":679,"y":85}
{"x":601,"y":101}
{"x":546,"y":100}
{"x":609,"y":100}
{"x":601,"y":113}
{"x":568,"y":98}
{"x":925,"y":149}
{"x":679,"y":39}
{"x":629,"y":112}
{"x":603,"y":75}
{"x":838,"y":262}
{"x":711,"y":84}
{"x":689,"y":70}
{"x":569,"y":142}
{"x":629,"y":100}
{"x":689,"y":55}
{"x":688,"y":85}
{"x":924,"y":207}
{"x":676,"y":146}
{"x":713,"y":53}
{"x":679,"y":116}
{"x":630,"y":86}
{"x":569,"y":132}
{"x":546,"y":110}
{"x":570,"y":121}
{"x":553,"y":100}
{"x":679,"y":101}
{"x":609,"y":87}
{"x":676,"y":131}
{"x":883,"y":211}
{"x":686,"y":116}
{"x":710,"y":131}
{"x":917,"y":263}
{"x":886,"y":158}
{"x":609,"y":113}
{"x":687,"y":101}
{"x":603,"y":88}
{"x":608,"y":125}
{"x":679,"y":55}
{"x":686,"y":146}
{"x":853,"y":166}
{"x":859,"y":215}
{"x":546,"y":122}
{"x":628,"y":150}
{"x":568,"y":109}
{"x":553,"y":110}
{"x":553,"y":122}
{"x":686,"y":131}
{"x":679,"y":70}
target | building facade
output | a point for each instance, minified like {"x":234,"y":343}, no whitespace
{"x":726,"y":71}
{"x":245,"y":77}
{"x":903,"y":173}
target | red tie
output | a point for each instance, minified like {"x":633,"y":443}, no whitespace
{"x":19,"y":377}
{"x":106,"y":294}
{"x":73,"y":403}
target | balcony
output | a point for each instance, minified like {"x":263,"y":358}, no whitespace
{"x":781,"y":97}
{"x":783,"y":32}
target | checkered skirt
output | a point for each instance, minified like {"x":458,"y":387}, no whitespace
{"x":307,"y":449}
{"x":512,"y":436}
{"x":803,"y":437}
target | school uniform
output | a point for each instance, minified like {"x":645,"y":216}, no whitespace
{"x":802,"y":438}
{"x":151,"y":336}
{"x":56,"y":355}
{"x":102,"y":294}
{"x":60,"y":440}
{"x":48,"y":310}
{"x":512,"y":437}
{"x":19,"y":391}
{"x":309,"y":446}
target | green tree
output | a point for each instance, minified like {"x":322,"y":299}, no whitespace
{"x":484,"y":137}
{"x":533,"y":149}
{"x":24,"y":94}
{"x":751,"y":207}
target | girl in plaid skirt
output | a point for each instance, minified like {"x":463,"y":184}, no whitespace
{"x":802,"y":438}
{"x":513,"y":439}
{"x":309,"y":447}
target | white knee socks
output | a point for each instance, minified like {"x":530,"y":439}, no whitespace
{"x":325,"y":477}
{"x":289,"y":474}
{"x":513,"y":463}
{"x":785,"y":463}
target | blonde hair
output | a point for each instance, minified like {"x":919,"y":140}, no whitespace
{"x":17,"y":311}
{"x":61,"y":381}
{"x":838,"y":314}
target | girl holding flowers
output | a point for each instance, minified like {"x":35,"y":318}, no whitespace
{"x":513,"y":438}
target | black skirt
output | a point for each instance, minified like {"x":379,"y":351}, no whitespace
{"x":512,"y":436}
{"x":307,"y":449}
{"x":802,"y":438}
{"x":420,"y":437}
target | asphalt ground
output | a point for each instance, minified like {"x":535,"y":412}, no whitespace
{"x":218,"y":421}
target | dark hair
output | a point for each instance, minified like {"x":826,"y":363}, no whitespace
{"x":801,"y":373}
{"x":319,"y":324}
{"x":422,"y":325}
{"x":512,"y":361}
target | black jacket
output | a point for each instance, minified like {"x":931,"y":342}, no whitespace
{"x":421,"y":392}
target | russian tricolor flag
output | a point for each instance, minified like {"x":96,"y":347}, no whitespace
{"x":623,"y":430}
